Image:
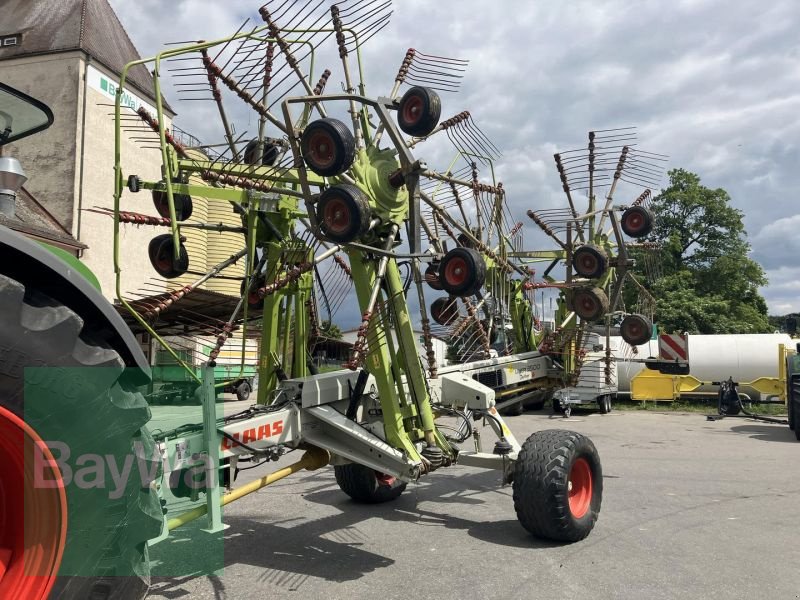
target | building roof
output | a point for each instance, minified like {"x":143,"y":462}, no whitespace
{"x":34,"y":220}
{"x":92,"y":26}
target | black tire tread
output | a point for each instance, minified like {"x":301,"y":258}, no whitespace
{"x":359,"y":482}
{"x":46,"y":333}
{"x":540,"y":494}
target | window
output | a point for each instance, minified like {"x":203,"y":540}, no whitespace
{"x":11,"y":40}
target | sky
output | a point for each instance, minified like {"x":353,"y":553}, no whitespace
{"x":714,"y":85}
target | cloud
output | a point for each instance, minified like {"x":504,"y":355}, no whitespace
{"x":715,"y":88}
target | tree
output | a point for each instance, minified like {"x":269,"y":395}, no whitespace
{"x":330,"y":330}
{"x":707,"y":283}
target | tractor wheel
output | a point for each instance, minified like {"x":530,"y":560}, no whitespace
{"x":162,"y":256}
{"x":328,"y":147}
{"x":343,"y":213}
{"x":462,"y":272}
{"x":444,"y":311}
{"x":590,"y":261}
{"x":636,"y":330}
{"x":590,"y":304}
{"x":367,"y":486}
{"x":432,"y":277}
{"x":243,"y":391}
{"x":419,"y":111}
{"x":268,"y":156}
{"x":183,"y":205}
{"x":91,"y":412}
{"x":636,"y":221}
{"x":558,"y":485}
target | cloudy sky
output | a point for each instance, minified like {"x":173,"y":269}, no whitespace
{"x":713,"y":84}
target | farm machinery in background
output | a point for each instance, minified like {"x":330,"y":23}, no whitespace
{"x":328,"y":197}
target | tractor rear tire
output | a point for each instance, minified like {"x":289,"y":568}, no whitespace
{"x":558,"y":485}
{"x":366,"y":486}
{"x":106,"y":551}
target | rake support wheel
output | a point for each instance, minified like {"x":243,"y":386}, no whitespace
{"x":419,"y":111}
{"x":590,"y":304}
{"x":162,"y":256}
{"x":328,"y":147}
{"x":444,"y":311}
{"x":432,"y":277}
{"x":590,"y":261}
{"x":343,"y":213}
{"x":462,"y":272}
{"x":183,"y":205}
{"x":636,"y":329}
{"x":269,"y":154}
{"x":558,"y":485}
{"x":636,"y":221}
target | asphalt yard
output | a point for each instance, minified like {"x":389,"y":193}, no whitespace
{"x":691,"y":509}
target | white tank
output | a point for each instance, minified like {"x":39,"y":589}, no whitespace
{"x":744,"y":357}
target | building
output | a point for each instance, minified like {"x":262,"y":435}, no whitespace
{"x":70,"y":54}
{"x":439,"y":346}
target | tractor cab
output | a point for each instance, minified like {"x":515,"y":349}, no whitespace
{"x":20,"y":116}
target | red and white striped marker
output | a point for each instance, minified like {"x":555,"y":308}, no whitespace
{"x":673,"y":346}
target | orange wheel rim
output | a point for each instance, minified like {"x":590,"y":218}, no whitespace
{"x":33,"y":512}
{"x":580,"y":488}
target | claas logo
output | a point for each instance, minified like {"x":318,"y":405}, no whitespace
{"x":252,"y":435}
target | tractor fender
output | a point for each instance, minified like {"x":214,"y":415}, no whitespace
{"x":27,"y":261}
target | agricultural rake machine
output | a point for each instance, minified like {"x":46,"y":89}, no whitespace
{"x":329,"y":203}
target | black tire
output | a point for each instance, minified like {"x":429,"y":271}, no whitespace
{"x":445,"y":311}
{"x":604,"y":404}
{"x":162,"y":257}
{"x":590,"y":304}
{"x":268,"y":157}
{"x":636,"y":329}
{"x":343,"y":213}
{"x":183,"y":205}
{"x":636,"y":221}
{"x":106,"y":552}
{"x":254,"y":302}
{"x":363,"y":485}
{"x":243,"y":391}
{"x":432,"y":277}
{"x":558,"y":485}
{"x":419,"y":111}
{"x":328,"y":147}
{"x":590,"y":261}
{"x":790,"y":408}
{"x":462,"y":272}
{"x":514,"y":410}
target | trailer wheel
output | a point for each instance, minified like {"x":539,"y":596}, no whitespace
{"x":604,"y":404}
{"x":419,"y":111}
{"x":636,"y":221}
{"x":243,"y":391}
{"x":590,"y":261}
{"x":636,"y":330}
{"x":343,"y":213}
{"x":462,"y":272}
{"x":104,"y":552}
{"x":328,"y":147}
{"x":558,"y":485}
{"x":590,"y":304}
{"x":366,"y":486}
